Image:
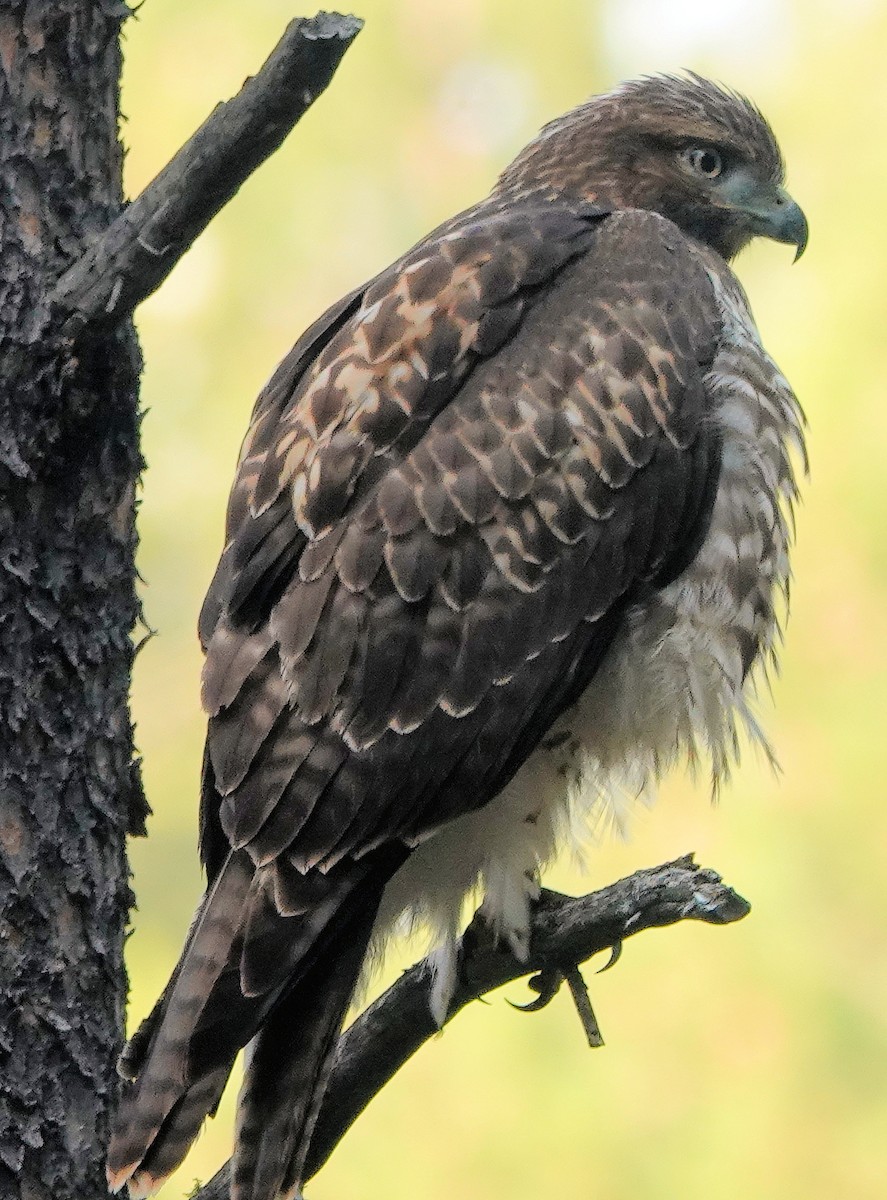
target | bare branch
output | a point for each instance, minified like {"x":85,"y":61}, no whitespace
{"x":137,"y":252}
{"x":566,"y":931}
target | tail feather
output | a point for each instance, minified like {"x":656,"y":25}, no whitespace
{"x":269,"y":960}
{"x":248,"y":974}
{"x":132,"y":1059}
{"x":178,"y":1132}
{"x":164,"y":1052}
{"x":289,"y":1065}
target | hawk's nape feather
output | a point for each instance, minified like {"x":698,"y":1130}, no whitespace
{"x":542,"y":452}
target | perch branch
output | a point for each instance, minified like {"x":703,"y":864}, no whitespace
{"x":138,"y":250}
{"x":566,"y":930}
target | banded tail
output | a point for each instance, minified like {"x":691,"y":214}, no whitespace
{"x":279,"y":983}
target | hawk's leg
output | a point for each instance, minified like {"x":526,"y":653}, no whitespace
{"x":547,"y":982}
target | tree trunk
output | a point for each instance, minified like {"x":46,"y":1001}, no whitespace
{"x":69,"y":461}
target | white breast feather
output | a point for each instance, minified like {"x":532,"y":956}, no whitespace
{"x":671,"y":686}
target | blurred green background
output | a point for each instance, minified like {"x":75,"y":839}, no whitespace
{"x":741,"y":1062}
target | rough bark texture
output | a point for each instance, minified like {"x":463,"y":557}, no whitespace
{"x":69,"y":785}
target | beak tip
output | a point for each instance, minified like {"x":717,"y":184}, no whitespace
{"x":795,"y":229}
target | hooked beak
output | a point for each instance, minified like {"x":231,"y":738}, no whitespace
{"x":769,"y":210}
{"x":782,"y":220}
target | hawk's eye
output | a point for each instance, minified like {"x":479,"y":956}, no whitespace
{"x":703,"y":160}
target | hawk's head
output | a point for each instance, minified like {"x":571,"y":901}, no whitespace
{"x":697,"y":153}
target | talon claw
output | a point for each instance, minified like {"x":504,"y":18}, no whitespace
{"x":533,"y":1006}
{"x":547,"y":984}
{"x":615,"y":955}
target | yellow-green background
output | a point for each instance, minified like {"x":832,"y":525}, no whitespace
{"x":746,"y":1062}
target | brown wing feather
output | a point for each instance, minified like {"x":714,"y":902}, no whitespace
{"x":447,"y":497}
{"x":565,"y":472}
{"x":261,"y":434}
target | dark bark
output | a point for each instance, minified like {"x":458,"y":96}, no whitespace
{"x":73,"y":265}
{"x":69,"y":785}
{"x":566,"y":931}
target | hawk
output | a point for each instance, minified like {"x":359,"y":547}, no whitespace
{"x":509,"y":533}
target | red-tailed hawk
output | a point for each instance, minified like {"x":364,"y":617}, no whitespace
{"x":508,"y":534}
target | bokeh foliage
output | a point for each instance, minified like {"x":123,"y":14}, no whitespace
{"x":745,"y":1062}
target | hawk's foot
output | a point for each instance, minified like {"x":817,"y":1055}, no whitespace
{"x":547,"y":983}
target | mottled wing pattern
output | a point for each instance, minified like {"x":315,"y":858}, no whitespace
{"x":259,"y":441}
{"x":437,"y":523}
{"x":368,"y":397}
{"x":571,"y":468}
{"x":320,"y":435}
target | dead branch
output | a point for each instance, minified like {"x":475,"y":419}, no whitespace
{"x":566,"y":931}
{"x":135,"y":254}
